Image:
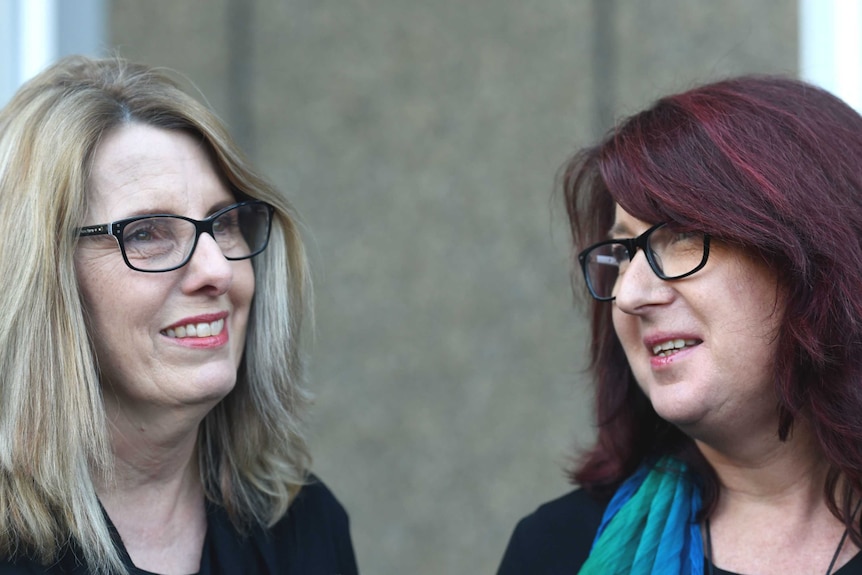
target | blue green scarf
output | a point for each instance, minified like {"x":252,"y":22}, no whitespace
{"x":650,"y":526}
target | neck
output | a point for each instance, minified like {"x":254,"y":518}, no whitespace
{"x":155,"y":463}
{"x":771,"y":516}
{"x":155,"y":497}
{"x":767,"y":470}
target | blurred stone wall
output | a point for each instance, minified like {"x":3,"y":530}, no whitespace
{"x":420,"y":141}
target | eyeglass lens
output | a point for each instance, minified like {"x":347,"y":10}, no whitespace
{"x":670,"y":255}
{"x":164,"y":242}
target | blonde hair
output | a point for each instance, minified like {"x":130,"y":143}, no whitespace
{"x":53,"y":436}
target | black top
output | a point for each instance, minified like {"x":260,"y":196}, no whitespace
{"x":556,"y":539}
{"x":313,"y":538}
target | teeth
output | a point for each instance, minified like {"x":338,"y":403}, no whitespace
{"x":672,"y":346}
{"x":196,"y":329}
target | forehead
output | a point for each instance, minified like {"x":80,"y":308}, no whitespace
{"x":626,"y":225}
{"x":143,"y":169}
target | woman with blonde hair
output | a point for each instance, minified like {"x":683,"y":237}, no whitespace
{"x":154,"y":287}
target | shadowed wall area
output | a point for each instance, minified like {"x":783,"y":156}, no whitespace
{"x":420,"y":141}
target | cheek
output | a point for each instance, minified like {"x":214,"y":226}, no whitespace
{"x":120,"y":306}
{"x":625,"y":326}
{"x":628,"y":332}
{"x":103,"y":306}
{"x":243,"y":283}
{"x":755,"y":320}
{"x":95,"y":296}
{"x":242,"y":289}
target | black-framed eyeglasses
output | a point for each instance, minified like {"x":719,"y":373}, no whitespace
{"x":165,"y":242}
{"x":671,"y":255}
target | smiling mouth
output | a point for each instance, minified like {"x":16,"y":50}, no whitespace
{"x":673,"y":346}
{"x":195,"y":329}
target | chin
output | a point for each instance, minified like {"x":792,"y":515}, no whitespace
{"x":682,"y":416}
{"x":211,"y":386}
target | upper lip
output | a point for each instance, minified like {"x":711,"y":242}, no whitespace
{"x":202,"y":318}
{"x":657,"y":339}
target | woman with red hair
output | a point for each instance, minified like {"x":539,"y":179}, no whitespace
{"x":720,"y":237}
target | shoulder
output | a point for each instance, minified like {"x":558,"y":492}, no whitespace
{"x":316,"y":494}
{"x":315,"y":505}
{"x":67,"y":564}
{"x":317,"y":529}
{"x":556,"y":538}
{"x":312,"y":538}
{"x":22,"y":567}
{"x":852,"y":567}
{"x":26,"y":568}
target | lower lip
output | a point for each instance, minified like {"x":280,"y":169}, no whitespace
{"x":210,"y":342}
{"x":659,"y":362}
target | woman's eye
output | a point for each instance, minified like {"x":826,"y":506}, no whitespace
{"x":140,"y":235}
{"x":148,"y":231}
{"x":673,"y":238}
{"x":226,"y":226}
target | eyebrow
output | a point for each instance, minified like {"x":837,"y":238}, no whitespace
{"x":619,"y":230}
{"x":222,"y":205}
{"x":159,"y":212}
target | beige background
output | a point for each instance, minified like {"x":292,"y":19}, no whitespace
{"x":420,"y":141}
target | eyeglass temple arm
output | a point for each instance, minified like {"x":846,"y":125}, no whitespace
{"x":103,"y":229}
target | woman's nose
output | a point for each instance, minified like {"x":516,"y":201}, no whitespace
{"x":639,"y":286}
{"x":208,"y":267}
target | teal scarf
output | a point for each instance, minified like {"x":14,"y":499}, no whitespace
{"x":650,"y":525}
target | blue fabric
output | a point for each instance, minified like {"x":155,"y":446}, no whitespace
{"x":650,"y":526}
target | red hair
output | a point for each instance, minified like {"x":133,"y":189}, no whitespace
{"x":771,"y":165}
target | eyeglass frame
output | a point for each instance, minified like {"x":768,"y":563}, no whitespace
{"x":205,"y":225}
{"x":631,"y":246}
